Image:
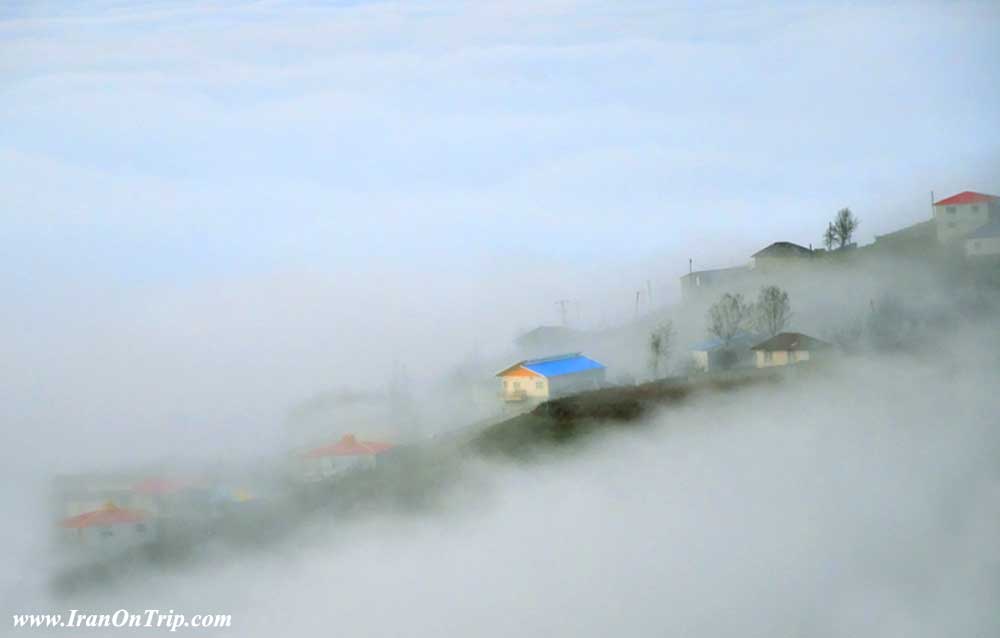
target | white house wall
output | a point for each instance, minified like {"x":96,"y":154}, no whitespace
{"x":533,"y":387}
{"x":956,"y":221}
{"x":982,"y":247}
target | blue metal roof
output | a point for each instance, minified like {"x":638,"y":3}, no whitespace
{"x":565,"y":364}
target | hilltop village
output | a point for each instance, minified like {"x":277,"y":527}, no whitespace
{"x":733,"y":326}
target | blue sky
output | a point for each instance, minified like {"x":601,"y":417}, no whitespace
{"x":184,"y":139}
{"x":421,"y":177}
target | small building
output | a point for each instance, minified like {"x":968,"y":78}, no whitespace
{"x":346,"y":455}
{"x":715,"y":354}
{"x":110,"y":528}
{"x":958,"y":216}
{"x":701,"y":282}
{"x":787,"y":348}
{"x":984,"y":242}
{"x":541,"y":379}
{"x":780,"y":255}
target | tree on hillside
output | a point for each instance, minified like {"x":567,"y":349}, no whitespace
{"x":660,"y":340}
{"x":840,"y":231}
{"x":772,"y":312}
{"x":728,"y":317}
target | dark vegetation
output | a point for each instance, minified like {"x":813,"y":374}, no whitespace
{"x":568,"y":419}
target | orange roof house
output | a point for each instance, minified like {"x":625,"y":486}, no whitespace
{"x":110,"y":514}
{"x":349,"y":445}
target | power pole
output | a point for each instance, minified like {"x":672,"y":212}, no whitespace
{"x":562,"y":310}
{"x":638,"y":293}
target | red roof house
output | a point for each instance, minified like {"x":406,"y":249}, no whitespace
{"x":110,"y":514}
{"x":967,"y":197}
{"x":349,"y":445}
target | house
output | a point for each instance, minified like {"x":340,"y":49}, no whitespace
{"x":541,"y":379}
{"x":984,"y":242}
{"x":787,"y":348}
{"x":714,"y":353}
{"x":346,"y":455}
{"x":958,"y":216}
{"x":74,"y":494}
{"x":701,"y":282}
{"x":110,"y":528}
{"x":780,"y":254}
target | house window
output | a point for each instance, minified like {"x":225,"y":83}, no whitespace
{"x":767,"y":356}
{"x":975,"y":208}
{"x":517,"y":385}
{"x":951,"y":210}
{"x":539,"y":385}
{"x":106,"y":532}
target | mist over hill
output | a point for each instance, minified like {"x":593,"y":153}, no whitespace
{"x":242,"y":238}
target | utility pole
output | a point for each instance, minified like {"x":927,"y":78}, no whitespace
{"x":690,"y":265}
{"x":638,"y":293}
{"x":562,"y":310}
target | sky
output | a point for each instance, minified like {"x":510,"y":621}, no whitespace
{"x":240,"y":203}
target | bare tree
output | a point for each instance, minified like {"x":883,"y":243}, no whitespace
{"x":660,"y":341}
{"x":829,"y":237}
{"x":728,"y":317}
{"x":841,"y":229}
{"x":772,"y":312}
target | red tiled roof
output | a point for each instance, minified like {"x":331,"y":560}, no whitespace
{"x":967,"y":197}
{"x":348,"y":445}
{"x":108,"y":515}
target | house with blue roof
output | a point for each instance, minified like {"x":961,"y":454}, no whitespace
{"x":549,"y":377}
{"x":713,"y":354}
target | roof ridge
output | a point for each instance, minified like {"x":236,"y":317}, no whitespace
{"x":557,"y":357}
{"x":966,"y":197}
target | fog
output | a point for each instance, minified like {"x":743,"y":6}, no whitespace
{"x":865,"y":502}
{"x":235,"y":231}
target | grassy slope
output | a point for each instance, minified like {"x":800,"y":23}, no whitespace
{"x":567,"y":419}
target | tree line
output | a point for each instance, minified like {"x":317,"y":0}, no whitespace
{"x":728,"y":318}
